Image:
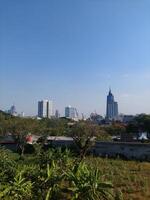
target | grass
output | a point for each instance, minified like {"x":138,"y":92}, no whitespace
{"x":131,"y":177}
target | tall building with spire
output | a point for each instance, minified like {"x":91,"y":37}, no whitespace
{"x":112,"y":107}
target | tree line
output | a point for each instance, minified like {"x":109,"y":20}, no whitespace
{"x":61,"y":126}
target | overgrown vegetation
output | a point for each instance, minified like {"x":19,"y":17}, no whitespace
{"x":132,"y":178}
{"x":52,"y":174}
{"x":23,"y":126}
{"x":55,"y":174}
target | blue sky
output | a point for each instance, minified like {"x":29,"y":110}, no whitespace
{"x":71,"y":51}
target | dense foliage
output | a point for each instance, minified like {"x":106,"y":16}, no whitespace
{"x":140,"y":123}
{"x":59,"y":174}
{"x":61,"y":126}
{"x":17,"y":125}
{"x":56,"y":175}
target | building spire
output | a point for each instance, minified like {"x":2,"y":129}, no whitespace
{"x":109,"y":90}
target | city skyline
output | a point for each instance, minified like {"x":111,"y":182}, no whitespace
{"x":48,"y":51}
{"x":46,"y":110}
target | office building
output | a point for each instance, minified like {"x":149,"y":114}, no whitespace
{"x":57,"y":114}
{"x":13,"y":111}
{"x":112,"y":107}
{"x":128,"y":118}
{"x":71,"y":112}
{"x":45,"y":109}
{"x":96,"y":118}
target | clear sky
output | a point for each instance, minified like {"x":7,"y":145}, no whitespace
{"x":71,"y":51}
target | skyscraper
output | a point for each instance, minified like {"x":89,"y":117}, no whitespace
{"x":112,"y":107}
{"x":45,"y":109}
{"x":71,"y":112}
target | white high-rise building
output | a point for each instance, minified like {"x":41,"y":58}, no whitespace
{"x":45,"y":109}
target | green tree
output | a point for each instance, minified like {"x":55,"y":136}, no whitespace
{"x":84,"y":135}
{"x":115,"y":129}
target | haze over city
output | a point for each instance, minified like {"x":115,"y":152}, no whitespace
{"x":71,"y":52}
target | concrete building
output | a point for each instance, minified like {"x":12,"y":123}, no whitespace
{"x":111,"y":108}
{"x":57,"y":114}
{"x":45,"y":109}
{"x":13,"y":111}
{"x":128,"y":118}
{"x":96,"y":118}
{"x":71,"y":112}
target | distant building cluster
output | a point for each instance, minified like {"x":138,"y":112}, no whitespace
{"x":96,"y":118}
{"x":46,"y":110}
{"x":13,"y":112}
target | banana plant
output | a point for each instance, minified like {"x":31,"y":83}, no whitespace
{"x":53,"y":181}
{"x":87,"y":184}
{"x":17,"y":189}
